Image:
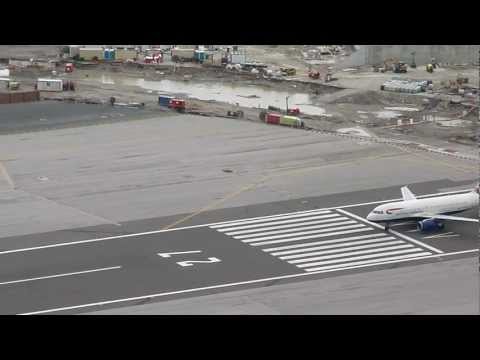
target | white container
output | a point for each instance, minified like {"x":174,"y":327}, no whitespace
{"x":4,"y":84}
{"x":50,"y":85}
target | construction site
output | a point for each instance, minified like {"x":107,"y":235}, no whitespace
{"x":369,"y":91}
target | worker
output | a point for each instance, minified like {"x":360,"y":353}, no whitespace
{"x":430,"y":68}
{"x":434,"y":63}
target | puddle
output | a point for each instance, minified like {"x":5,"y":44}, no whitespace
{"x":454,"y":122}
{"x":354,"y":131}
{"x":387,"y":114}
{"x":248,"y":96}
{"x":399,"y":108}
{"x":107,"y":79}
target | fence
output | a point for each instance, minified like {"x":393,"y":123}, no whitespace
{"x":18,"y":97}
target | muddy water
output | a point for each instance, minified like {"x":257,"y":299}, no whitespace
{"x":247,"y":96}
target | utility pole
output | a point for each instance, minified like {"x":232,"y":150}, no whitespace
{"x":286,"y":101}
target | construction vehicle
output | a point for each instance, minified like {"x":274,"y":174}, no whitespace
{"x":235,"y":113}
{"x":288,"y":71}
{"x":177,"y":104}
{"x":69,"y":67}
{"x":399,"y":67}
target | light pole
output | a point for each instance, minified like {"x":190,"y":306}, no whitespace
{"x":413,"y":65}
{"x":286,"y":101}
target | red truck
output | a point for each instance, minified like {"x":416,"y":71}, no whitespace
{"x":177,"y":104}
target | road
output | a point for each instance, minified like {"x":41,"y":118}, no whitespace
{"x":330,"y":238}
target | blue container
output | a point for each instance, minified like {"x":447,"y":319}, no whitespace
{"x":164,"y":100}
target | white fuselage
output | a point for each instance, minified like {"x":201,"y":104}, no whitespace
{"x":409,"y":209}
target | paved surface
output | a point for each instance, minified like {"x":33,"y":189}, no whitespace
{"x":101,"y":181}
{"x":208,"y":257}
{"x":104,"y":174}
{"x":47,"y":115}
{"x":418,"y":289}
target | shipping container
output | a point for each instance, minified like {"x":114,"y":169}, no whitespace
{"x":273,"y":118}
{"x":291,"y":121}
{"x":4,"y":72}
{"x":50,"y":85}
{"x":89,"y":54}
{"x":164,"y":100}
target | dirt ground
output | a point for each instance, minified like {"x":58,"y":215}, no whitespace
{"x":353,"y":100}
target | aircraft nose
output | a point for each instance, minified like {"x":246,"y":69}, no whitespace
{"x":370,"y":216}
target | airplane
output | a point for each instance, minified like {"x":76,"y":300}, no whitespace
{"x":428,"y":212}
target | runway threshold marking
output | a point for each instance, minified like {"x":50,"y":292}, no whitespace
{"x":335,"y":250}
{"x":60,"y":275}
{"x":157,"y":295}
{"x":231,"y":222}
{"x":438,"y":251}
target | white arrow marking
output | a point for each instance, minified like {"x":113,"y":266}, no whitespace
{"x":167,"y":255}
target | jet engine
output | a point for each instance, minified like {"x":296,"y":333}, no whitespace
{"x":429,"y":225}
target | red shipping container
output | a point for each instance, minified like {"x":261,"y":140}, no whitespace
{"x":273,"y":118}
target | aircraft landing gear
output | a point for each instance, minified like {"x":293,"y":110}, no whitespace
{"x":387,"y":227}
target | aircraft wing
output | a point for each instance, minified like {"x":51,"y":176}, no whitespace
{"x":446,"y":217}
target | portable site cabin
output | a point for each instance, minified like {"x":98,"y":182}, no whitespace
{"x":89,"y":54}
{"x":50,"y":85}
{"x":4,"y":83}
{"x":125,"y":54}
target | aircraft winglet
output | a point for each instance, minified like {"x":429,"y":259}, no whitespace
{"x":407,"y":194}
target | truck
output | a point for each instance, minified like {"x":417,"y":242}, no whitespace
{"x":177,"y":104}
{"x":292,"y":121}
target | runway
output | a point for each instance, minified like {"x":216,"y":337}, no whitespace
{"x":68,"y":277}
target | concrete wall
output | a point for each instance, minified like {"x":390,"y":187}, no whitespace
{"x":452,"y":54}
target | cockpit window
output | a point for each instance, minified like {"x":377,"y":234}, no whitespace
{"x":378,"y":212}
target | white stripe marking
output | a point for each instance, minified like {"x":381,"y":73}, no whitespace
{"x":359,"y":257}
{"x":303,"y":233}
{"x":358,"y":264}
{"x":151,"y":296}
{"x":295,"y":223}
{"x":59,"y":275}
{"x":436,"y":235}
{"x":441,"y":236}
{"x":361,"y":252}
{"x":393,"y":232}
{"x":343,"y":249}
{"x":310,"y":237}
{"x":296,"y":229}
{"x":270,"y":218}
{"x":324,"y":242}
{"x":214,"y":224}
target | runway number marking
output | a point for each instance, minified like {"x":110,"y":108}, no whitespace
{"x":190,"y":262}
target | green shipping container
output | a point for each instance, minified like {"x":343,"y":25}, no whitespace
{"x":290,"y":121}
